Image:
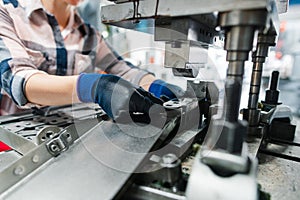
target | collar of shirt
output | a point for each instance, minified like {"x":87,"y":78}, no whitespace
{"x":34,"y":5}
{"x":68,"y":29}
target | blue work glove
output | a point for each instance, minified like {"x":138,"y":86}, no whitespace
{"x":166,"y":91}
{"x":114,"y":94}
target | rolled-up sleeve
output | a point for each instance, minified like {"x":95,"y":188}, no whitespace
{"x":15,"y":65}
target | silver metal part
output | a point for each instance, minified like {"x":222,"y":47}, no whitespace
{"x":171,"y":169}
{"x":34,"y":159}
{"x":6,"y":158}
{"x":185,"y":55}
{"x":60,"y":143}
{"x":252,"y":113}
{"x":47,"y":133}
{"x":280,"y":111}
{"x":187,"y":40}
{"x":19,"y":143}
{"x":23,"y":167}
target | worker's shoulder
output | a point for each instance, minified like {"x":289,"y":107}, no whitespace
{"x":14,"y":8}
{"x":11,"y":3}
{"x":18,"y":5}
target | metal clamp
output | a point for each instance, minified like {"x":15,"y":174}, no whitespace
{"x":60,"y":143}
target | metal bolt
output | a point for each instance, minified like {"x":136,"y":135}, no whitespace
{"x":53,"y":147}
{"x":19,"y":170}
{"x":169,"y":158}
{"x":35,"y":159}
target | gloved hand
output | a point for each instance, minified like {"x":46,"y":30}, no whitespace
{"x":114,"y":94}
{"x":161,"y":89}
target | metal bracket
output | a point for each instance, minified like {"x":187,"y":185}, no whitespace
{"x":47,"y":133}
{"x":60,"y":143}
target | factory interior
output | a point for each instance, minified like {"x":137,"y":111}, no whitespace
{"x":233,"y":135}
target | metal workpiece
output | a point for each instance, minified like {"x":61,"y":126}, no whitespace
{"x":193,"y":108}
{"x":187,"y":113}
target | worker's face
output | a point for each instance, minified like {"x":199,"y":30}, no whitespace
{"x":73,"y":2}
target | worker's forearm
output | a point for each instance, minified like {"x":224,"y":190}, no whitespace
{"x":146,"y":81}
{"x":44,"y":89}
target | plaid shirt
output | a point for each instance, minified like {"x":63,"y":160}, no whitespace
{"x":31,"y":42}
